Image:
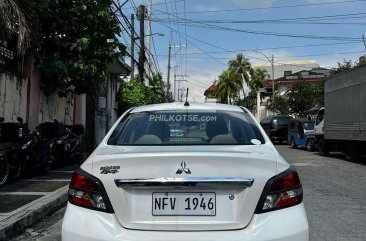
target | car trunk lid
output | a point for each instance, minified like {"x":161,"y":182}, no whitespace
{"x":228,"y":178}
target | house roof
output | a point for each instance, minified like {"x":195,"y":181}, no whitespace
{"x":118,"y":67}
{"x":210,"y":89}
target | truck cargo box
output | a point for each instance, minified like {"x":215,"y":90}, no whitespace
{"x":345,"y":102}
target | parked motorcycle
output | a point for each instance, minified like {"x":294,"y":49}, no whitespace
{"x":38,"y":154}
{"x":66,"y":142}
{"x":66,"y":149}
{"x":12,"y":156}
{"x":4,"y":161}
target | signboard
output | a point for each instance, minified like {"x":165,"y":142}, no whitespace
{"x":8,"y":58}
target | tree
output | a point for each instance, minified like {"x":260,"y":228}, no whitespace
{"x":13,"y":21}
{"x":241,"y":66}
{"x":249,"y":101}
{"x":258,"y":79}
{"x":159,"y":86}
{"x":227,"y":86}
{"x":280,"y":105}
{"x":318,"y":94}
{"x":134,"y":93}
{"x":77,"y":40}
{"x":342,"y":67}
{"x":301,"y":97}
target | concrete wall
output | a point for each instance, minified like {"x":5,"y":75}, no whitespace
{"x":13,"y":97}
{"x":55,"y":107}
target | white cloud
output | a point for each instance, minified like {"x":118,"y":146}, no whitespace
{"x":252,"y":3}
{"x":322,"y":1}
{"x":201,"y":7}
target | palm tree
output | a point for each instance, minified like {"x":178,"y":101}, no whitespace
{"x":158,"y":84}
{"x":257,"y":81}
{"x":227,"y":86}
{"x":242,"y":67}
{"x":258,"y":78}
{"x":13,"y":20}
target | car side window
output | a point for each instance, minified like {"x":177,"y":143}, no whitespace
{"x":320,"y":117}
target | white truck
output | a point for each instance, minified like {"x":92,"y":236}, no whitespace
{"x":341,"y":124}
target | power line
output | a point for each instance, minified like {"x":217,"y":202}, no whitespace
{"x":290,"y":56}
{"x":297,"y":20}
{"x":272,"y":48}
{"x":273,"y":7}
{"x":278,"y":34}
{"x":219,"y":61}
{"x":125,"y":19}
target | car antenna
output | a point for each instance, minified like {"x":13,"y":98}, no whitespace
{"x":186,"y":104}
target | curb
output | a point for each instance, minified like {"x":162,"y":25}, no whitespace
{"x":25,"y":216}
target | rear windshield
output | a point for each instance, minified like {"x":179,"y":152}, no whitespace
{"x":309,"y":125}
{"x":186,"y":128}
{"x":281,"y":121}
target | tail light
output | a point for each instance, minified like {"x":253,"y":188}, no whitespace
{"x":281,"y":191}
{"x":87,"y":191}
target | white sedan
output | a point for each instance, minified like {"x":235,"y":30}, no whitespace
{"x":221,"y":180}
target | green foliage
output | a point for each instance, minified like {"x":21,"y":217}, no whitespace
{"x":241,"y":67}
{"x":227,"y":86}
{"x":345,"y":66}
{"x":301,"y":97}
{"x":342,"y":67}
{"x":76,"y":41}
{"x":133,"y":94}
{"x":258,"y":78}
{"x":318,"y":94}
{"x":281,"y":105}
{"x":159,"y":86}
{"x":249,"y":101}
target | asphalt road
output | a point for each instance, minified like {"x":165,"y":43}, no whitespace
{"x":334,"y":196}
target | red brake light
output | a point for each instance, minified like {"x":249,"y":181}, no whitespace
{"x":86,"y":191}
{"x":284,"y":190}
{"x":81,"y":182}
{"x":289,"y":181}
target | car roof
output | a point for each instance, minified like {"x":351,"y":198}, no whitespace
{"x":192,"y":106}
{"x":303,"y":120}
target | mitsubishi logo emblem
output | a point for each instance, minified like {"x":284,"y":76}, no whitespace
{"x":183,"y":168}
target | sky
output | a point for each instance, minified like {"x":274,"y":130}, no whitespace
{"x":206,"y":34}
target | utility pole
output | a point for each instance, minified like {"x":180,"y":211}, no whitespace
{"x":141,"y":66}
{"x":148,"y":34}
{"x":168,"y":77}
{"x":132,"y":46}
{"x":169,"y":67}
{"x":273,"y":90}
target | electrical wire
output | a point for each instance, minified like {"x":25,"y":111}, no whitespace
{"x":278,"y":34}
{"x":273,"y":7}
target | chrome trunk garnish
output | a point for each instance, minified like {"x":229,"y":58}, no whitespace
{"x":206,"y":182}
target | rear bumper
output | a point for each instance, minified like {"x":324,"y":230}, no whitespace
{"x":286,"y":224}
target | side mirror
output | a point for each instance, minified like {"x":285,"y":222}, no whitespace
{"x":20,"y":120}
{"x":2,"y":119}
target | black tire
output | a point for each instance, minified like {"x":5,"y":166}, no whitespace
{"x":351,"y":153}
{"x":46,"y":164}
{"x":323,"y":148}
{"x":4,"y":172}
{"x":16,"y":172}
{"x":310,"y":146}
{"x":293,"y":144}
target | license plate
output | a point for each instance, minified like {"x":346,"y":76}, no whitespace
{"x":184,"y":204}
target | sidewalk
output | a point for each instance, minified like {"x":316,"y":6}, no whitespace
{"x":26,"y":201}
